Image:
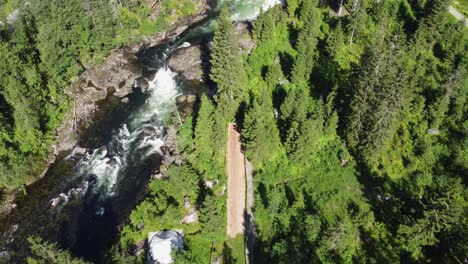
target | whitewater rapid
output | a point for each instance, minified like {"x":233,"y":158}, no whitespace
{"x":100,"y":170}
{"x":243,"y":10}
{"x":137,"y":139}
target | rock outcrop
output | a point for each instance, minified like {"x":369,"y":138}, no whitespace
{"x":202,"y":8}
{"x":186,"y":103}
{"x":122,"y":70}
{"x":119,"y":75}
{"x":246,"y":42}
{"x":188,"y":62}
{"x":116,"y":76}
{"x":170,"y":148}
{"x":191,"y":62}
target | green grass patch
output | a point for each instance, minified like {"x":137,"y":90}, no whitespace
{"x":461,"y":6}
{"x":234,"y":250}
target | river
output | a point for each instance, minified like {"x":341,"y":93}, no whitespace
{"x":83,"y":200}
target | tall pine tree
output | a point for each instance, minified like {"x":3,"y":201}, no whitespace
{"x":260,"y":132}
{"x":227,"y":69}
{"x":204,"y":152}
{"x":307,"y":43}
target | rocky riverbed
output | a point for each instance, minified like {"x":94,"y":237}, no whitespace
{"x":100,"y":91}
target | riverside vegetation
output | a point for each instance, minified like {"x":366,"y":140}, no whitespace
{"x":44,"y":46}
{"x":356,"y":128}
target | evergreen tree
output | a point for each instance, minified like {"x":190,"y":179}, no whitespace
{"x":274,"y":75}
{"x":293,"y":5}
{"x":444,"y":204}
{"x":383,"y":87}
{"x":45,"y":252}
{"x":307,"y":43}
{"x":341,"y":52}
{"x":203,"y":154}
{"x":437,"y":12}
{"x":213,"y":218}
{"x":264,"y":26}
{"x":63,"y":38}
{"x":104,"y":26}
{"x":227,"y":69}
{"x":261,"y":136}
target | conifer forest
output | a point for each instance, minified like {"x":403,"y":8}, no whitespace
{"x":352,"y":118}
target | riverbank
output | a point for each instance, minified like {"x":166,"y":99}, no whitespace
{"x":98,"y":89}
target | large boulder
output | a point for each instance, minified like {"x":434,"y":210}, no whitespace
{"x":161,"y":244}
{"x":117,"y":75}
{"x":187,"y":62}
{"x":246,"y":42}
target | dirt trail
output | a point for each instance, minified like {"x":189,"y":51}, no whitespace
{"x":458,"y":15}
{"x":236,"y":183}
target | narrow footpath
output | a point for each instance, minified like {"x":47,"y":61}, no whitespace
{"x":236,"y":183}
{"x":458,"y":15}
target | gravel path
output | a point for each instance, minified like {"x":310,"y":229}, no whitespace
{"x":458,"y":15}
{"x":236,"y":184}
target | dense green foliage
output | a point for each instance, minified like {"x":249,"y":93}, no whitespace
{"x":44,"y":252}
{"x":356,"y":129}
{"x":461,"y":6}
{"x":44,"y":45}
{"x":200,"y":184}
{"x":372,"y":119}
{"x":175,"y":197}
{"x":227,"y":69}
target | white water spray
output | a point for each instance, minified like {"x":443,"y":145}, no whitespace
{"x":242,"y":10}
{"x":248,"y":9}
{"x":139,"y":139}
{"x":142,"y":136}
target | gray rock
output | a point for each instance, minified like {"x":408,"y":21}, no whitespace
{"x":190,"y":217}
{"x":246,"y":42}
{"x":184,"y":99}
{"x":141,"y":83}
{"x":211,"y":184}
{"x":187,"y":203}
{"x":8,"y":235}
{"x":94,"y":94}
{"x":186,"y":105}
{"x":217,"y":260}
{"x":115,"y":75}
{"x":171,"y":151}
{"x":158,"y":176}
{"x":12,"y":17}
{"x":181,"y":99}
{"x":80,"y":151}
{"x":139,"y":247}
{"x":51,"y":158}
{"x":223,"y":190}
{"x":433,"y":131}
{"x":149,"y":131}
{"x":112,"y":162}
{"x":187,"y":62}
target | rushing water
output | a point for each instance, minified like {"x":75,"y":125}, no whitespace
{"x":140,"y":137}
{"x":83,"y":199}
